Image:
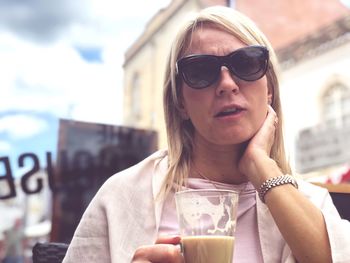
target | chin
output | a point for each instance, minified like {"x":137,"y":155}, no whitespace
{"x":232,"y":137}
{"x":232,"y":140}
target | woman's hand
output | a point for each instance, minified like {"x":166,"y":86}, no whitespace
{"x":165,"y":250}
{"x":258,"y":150}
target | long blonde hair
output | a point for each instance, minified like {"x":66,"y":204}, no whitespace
{"x":180,"y":132}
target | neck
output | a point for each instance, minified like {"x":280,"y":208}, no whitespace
{"x":217,"y":163}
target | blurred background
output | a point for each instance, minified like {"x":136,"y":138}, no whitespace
{"x":81,"y":98}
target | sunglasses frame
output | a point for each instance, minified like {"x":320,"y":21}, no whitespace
{"x":222,"y":61}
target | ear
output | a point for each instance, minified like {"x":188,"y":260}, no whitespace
{"x":182,"y":109}
{"x":184,"y":114}
{"x":269,"y":98}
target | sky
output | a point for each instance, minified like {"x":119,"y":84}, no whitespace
{"x":63,"y":59}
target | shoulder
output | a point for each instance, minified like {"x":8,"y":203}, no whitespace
{"x":105,"y":219}
{"x":144,"y":168}
{"x":128,"y":186}
{"x":138,"y":175}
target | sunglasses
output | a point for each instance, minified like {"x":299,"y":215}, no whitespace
{"x":200,"y":71}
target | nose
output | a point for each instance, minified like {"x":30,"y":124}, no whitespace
{"x":226,"y":83}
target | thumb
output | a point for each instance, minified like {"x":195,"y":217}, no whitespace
{"x":174,"y":240}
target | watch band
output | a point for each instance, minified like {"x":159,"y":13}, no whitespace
{"x":275,"y":181}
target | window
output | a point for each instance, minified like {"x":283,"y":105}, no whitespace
{"x":135,"y":98}
{"x":336,"y":105}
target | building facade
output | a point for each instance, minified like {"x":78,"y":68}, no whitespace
{"x":316,"y":99}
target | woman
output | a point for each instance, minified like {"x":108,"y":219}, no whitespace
{"x":224,"y":127}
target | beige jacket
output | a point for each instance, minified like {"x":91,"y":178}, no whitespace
{"x":123,"y":216}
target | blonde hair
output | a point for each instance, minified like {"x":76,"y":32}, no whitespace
{"x":180,"y":132}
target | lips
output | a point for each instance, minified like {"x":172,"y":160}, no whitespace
{"x":229,"y":110}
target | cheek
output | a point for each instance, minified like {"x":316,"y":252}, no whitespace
{"x":195,"y":101}
{"x":258,"y":100}
{"x":260,"y":112}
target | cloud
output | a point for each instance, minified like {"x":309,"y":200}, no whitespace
{"x":21,"y":126}
{"x":40,"y":19}
{"x":43,"y":20}
{"x":45,"y":62}
{"x":55,"y":79}
{"x":5,"y":146}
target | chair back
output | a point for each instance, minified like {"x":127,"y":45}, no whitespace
{"x":342,"y":203}
{"x":340,"y":194}
{"x":49,"y":252}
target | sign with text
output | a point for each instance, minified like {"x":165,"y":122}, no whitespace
{"x":319,"y":147}
{"x":87,"y":154}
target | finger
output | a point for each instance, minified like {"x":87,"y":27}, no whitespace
{"x":272,"y":117}
{"x":271,"y":113}
{"x":168,"y":240}
{"x":158,"y":253}
{"x":270,"y":109}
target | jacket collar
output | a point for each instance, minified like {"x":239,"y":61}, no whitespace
{"x":159,"y":177}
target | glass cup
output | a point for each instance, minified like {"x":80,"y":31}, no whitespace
{"x":207,"y":220}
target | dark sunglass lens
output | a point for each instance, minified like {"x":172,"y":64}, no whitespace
{"x":200,"y":72}
{"x":249,"y":63}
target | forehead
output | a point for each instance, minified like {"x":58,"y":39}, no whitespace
{"x":211,"y":39}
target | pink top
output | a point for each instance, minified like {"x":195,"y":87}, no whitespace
{"x":247,"y":244}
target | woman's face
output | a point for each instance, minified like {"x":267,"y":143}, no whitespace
{"x":231,"y":110}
